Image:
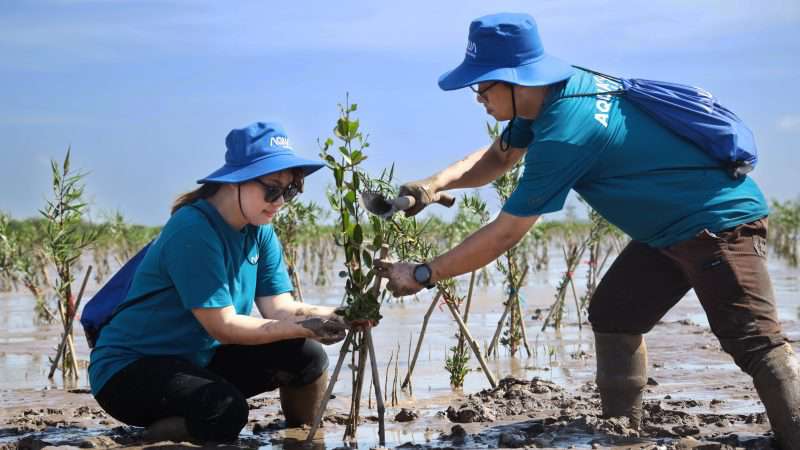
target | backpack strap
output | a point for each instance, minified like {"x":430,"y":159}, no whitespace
{"x":595,"y":94}
{"x":139,"y":299}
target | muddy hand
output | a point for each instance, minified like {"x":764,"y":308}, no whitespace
{"x":326,"y":331}
{"x":359,"y":324}
{"x":400,"y":276}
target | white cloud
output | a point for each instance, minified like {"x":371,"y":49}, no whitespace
{"x":789,"y":123}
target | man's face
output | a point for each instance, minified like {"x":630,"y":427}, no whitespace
{"x":496,"y":98}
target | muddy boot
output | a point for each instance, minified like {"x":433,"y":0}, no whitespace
{"x":777,"y":380}
{"x":300,"y":404}
{"x":621,"y":374}
{"x":167,"y":429}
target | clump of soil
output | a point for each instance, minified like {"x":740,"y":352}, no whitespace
{"x":406,"y":415}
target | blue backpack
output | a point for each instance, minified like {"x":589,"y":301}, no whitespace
{"x":110,"y":299}
{"x":694,"y":114}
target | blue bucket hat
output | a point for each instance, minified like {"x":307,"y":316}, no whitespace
{"x":505,"y":47}
{"x":259,"y":149}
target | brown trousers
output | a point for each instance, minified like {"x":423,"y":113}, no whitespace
{"x":728,"y":271}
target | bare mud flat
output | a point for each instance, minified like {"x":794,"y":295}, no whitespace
{"x":696,"y":397}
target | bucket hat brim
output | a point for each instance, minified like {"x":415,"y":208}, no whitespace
{"x":270,"y":164}
{"x":545,"y":70}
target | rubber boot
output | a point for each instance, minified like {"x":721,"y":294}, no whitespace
{"x":167,"y":429}
{"x":777,"y":380}
{"x":300,"y":404}
{"x":621,"y":374}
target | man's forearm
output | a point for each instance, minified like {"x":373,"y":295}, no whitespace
{"x":482,"y":247}
{"x":477,"y":169}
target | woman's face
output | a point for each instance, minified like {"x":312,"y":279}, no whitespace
{"x":496,"y":98}
{"x":257,"y":209}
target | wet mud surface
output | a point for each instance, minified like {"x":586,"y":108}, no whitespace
{"x":686,"y":406}
{"x":695,"y":398}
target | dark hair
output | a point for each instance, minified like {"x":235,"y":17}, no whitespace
{"x":209,"y":189}
{"x":206,"y":190}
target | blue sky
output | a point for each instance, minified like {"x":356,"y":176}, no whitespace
{"x":144,"y":91}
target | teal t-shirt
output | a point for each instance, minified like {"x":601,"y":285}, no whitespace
{"x":654,"y":185}
{"x":191,"y":261}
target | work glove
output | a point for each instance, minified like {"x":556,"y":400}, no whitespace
{"x":423,"y":195}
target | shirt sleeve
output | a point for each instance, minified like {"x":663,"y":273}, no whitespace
{"x":273,"y":278}
{"x":194,"y":259}
{"x":552,"y":168}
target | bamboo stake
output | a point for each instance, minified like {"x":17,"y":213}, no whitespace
{"x":469,"y":296}
{"x":466,"y":307}
{"x":329,"y":390}
{"x":355,"y":401}
{"x":493,"y":343}
{"x":396,"y":378}
{"x":474,"y":345}
{"x":386,"y":374}
{"x":425,"y":320}
{"x":67,"y":328}
{"x":519,"y":310}
{"x":376,"y":381}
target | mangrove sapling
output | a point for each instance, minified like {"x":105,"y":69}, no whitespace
{"x":363,"y":293}
{"x":22,"y":261}
{"x":784,"y":230}
{"x":293,"y":219}
{"x":472,"y":214}
{"x":26,"y":266}
{"x":576,"y":243}
{"x":64,"y":241}
{"x":513,"y":264}
{"x":408,"y":239}
{"x":7,"y":253}
{"x":573,"y":251}
{"x":604,"y":240}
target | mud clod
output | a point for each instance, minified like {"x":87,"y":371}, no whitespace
{"x":406,"y":415}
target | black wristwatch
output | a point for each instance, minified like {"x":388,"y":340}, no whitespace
{"x":423,"y":274}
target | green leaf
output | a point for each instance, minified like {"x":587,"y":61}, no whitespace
{"x":338,"y":175}
{"x":350,"y":197}
{"x":342,"y":126}
{"x":358,"y":234}
{"x":366,"y":256}
{"x":357,"y":157}
{"x":352,"y":128}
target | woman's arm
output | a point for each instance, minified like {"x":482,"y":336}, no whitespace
{"x":228,"y":327}
{"x":284,"y":307}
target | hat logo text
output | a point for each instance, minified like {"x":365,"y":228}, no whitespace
{"x":279,"y":141}
{"x":472,"y":49}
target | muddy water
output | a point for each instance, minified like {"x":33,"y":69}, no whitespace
{"x":696,"y":391}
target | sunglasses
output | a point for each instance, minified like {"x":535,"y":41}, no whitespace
{"x":476,"y":88}
{"x":272,"y":192}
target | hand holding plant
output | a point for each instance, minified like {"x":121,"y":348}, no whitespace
{"x":400,"y":276}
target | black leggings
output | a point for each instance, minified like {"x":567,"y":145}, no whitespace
{"x":211,"y":399}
